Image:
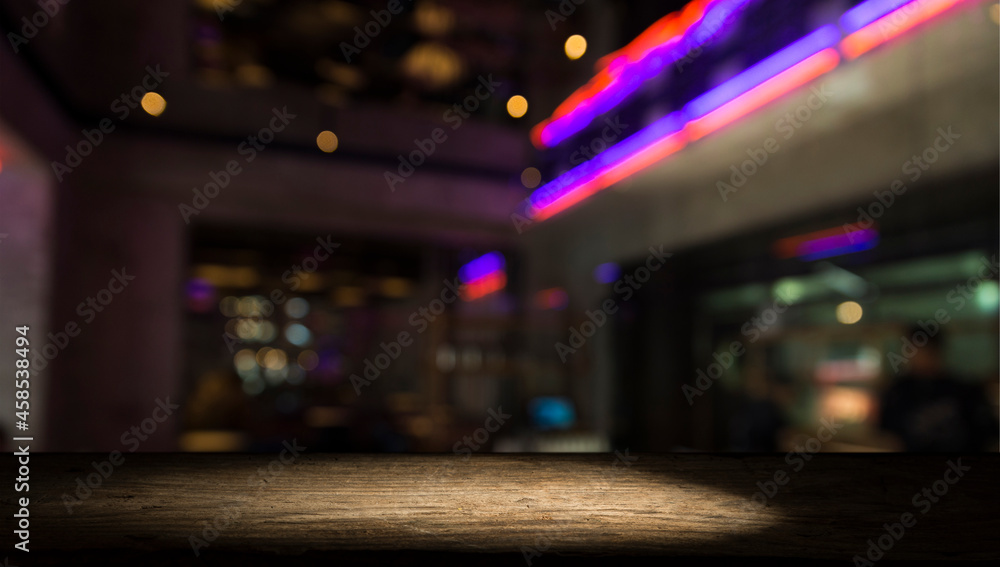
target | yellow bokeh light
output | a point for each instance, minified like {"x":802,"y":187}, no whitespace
{"x":849,"y":312}
{"x":153,"y":103}
{"x":327,"y":141}
{"x":531,"y":177}
{"x":576,"y":46}
{"x":517,"y":106}
{"x":247,"y":328}
{"x":262,"y":354}
{"x":275,"y":359}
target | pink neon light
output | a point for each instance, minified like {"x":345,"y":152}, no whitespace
{"x":485,"y":285}
{"x":615,"y":173}
{"x":670,"y":28}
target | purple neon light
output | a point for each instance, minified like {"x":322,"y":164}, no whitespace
{"x":481,"y":267}
{"x":199,"y":289}
{"x":632,"y":76}
{"x":838,"y":244}
{"x":867,"y":12}
{"x":824,"y":37}
{"x":567,"y":182}
{"x":607,"y":273}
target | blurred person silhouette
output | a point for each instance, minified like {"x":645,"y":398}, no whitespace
{"x":929,"y":409}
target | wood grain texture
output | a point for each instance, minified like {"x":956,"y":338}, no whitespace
{"x":677,"y":504}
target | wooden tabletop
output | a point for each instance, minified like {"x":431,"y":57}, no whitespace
{"x":832,"y":506}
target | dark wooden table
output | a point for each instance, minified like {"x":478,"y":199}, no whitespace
{"x":504,"y":509}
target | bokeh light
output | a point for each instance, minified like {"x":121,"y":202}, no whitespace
{"x":607,"y":273}
{"x":849,"y":312}
{"x":298,"y":334}
{"x":327,"y":141}
{"x":245,"y":360}
{"x":297,"y":308}
{"x":308,"y":360}
{"x":531,"y":177}
{"x":275,"y":359}
{"x":229,"y":306}
{"x":517,"y":106}
{"x":576,"y":46}
{"x":153,"y":103}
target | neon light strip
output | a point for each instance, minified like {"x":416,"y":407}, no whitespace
{"x":769,"y":90}
{"x":833,"y":242}
{"x":825,"y":37}
{"x":792,"y":67}
{"x":867,"y":12}
{"x":867,"y":244}
{"x":481,"y":267}
{"x":662,"y":44}
{"x":572,"y":114}
{"x":590,"y":171}
{"x":891,"y":26}
{"x":838,"y":241}
{"x":485,"y":285}
{"x":638,"y":161}
{"x":791,"y":246}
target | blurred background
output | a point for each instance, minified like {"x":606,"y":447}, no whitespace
{"x":332,"y":221}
